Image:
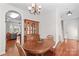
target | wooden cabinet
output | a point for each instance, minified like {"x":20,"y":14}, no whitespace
{"x":31,"y":29}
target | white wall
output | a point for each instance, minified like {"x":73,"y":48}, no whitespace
{"x":71,"y":28}
{"x":48,"y":24}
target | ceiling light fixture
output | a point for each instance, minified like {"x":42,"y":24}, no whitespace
{"x":69,"y":13}
{"x":14,"y":15}
{"x":35,"y":9}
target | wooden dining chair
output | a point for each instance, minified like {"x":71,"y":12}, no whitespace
{"x":21,"y":50}
{"x":50,"y":37}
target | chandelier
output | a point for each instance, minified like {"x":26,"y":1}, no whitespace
{"x":34,"y":9}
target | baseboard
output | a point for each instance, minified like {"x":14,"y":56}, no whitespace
{"x":2,"y":53}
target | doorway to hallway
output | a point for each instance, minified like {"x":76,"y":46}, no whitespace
{"x":13,"y":28}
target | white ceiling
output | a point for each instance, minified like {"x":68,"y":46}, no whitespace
{"x":46,"y":7}
{"x":65,"y":7}
{"x":49,"y":8}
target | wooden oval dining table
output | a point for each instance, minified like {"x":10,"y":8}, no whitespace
{"x":38,"y":47}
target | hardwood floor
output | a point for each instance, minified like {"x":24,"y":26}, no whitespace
{"x":69,"y":47}
{"x":11,"y":49}
{"x":10,"y":43}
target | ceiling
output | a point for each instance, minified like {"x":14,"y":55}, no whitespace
{"x":50,"y":8}
{"x":65,"y":7}
{"x":46,"y":7}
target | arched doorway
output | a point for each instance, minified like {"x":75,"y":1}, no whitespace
{"x":13,"y":28}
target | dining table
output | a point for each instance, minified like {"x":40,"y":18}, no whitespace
{"x":38,"y":47}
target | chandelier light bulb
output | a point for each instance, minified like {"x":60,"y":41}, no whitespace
{"x":33,"y":5}
{"x":38,"y":10}
{"x":39,"y":7}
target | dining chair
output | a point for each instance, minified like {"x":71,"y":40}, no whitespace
{"x":49,"y":37}
{"x":21,"y":50}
